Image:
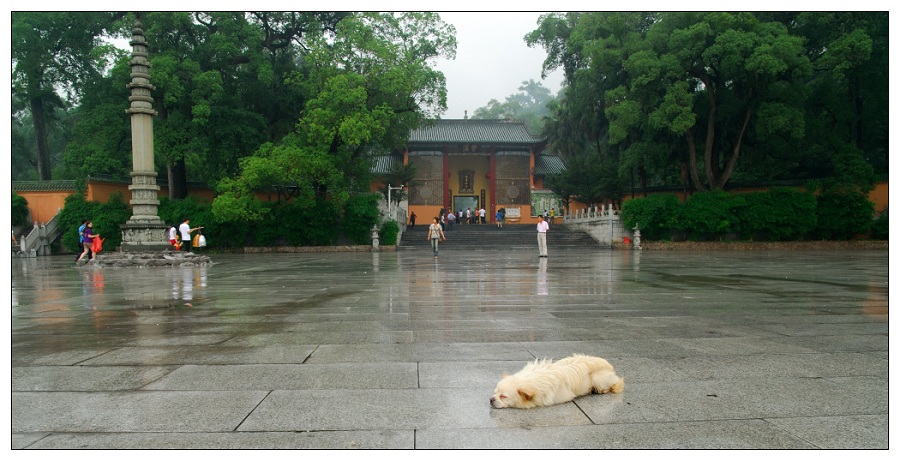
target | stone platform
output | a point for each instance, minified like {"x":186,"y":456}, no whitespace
{"x":167,"y":258}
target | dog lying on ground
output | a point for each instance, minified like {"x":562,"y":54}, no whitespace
{"x":545,"y":382}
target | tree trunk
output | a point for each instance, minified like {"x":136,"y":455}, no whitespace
{"x":732,"y":162}
{"x":178,"y":180}
{"x":40,"y":138}
{"x":692,"y":157}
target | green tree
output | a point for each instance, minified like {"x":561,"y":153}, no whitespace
{"x":369,"y":85}
{"x":529,"y":105}
{"x":19,"y":210}
{"x":54,"y":53}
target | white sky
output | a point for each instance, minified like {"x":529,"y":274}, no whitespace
{"x":492,"y":59}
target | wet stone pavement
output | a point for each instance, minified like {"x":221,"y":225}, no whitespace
{"x":394,"y":350}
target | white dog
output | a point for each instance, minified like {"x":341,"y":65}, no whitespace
{"x":545,"y":382}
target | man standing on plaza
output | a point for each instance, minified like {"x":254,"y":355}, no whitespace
{"x":542,"y":228}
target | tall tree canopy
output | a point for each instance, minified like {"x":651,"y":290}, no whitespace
{"x":54,"y":54}
{"x":369,"y":83}
{"x":697,"y":97}
{"x":529,"y":105}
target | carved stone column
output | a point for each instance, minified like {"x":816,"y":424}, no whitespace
{"x":144,"y":230}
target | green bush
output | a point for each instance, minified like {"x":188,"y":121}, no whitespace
{"x":712,"y":213}
{"x":76,"y":209}
{"x":842,"y":214}
{"x":218,"y":235}
{"x":107,"y":218}
{"x":360,"y":215}
{"x":779,"y":214}
{"x":388,"y":233}
{"x":880,"y":226}
{"x":306,"y":226}
{"x":657,"y":215}
{"x":19,"y":210}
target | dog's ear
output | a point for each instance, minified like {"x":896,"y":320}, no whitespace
{"x":526,"y":394}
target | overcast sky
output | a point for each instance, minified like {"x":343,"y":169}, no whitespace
{"x":492,"y":59}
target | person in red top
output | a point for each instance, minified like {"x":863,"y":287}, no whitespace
{"x":542,"y":228}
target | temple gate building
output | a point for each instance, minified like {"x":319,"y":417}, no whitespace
{"x":468,"y":164}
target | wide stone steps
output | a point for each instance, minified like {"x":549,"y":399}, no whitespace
{"x":487,"y":236}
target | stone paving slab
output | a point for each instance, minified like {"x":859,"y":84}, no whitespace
{"x":326,"y":410}
{"x":696,"y":435}
{"x":289,"y":376}
{"x":143,"y":411}
{"x":85,"y":378}
{"x":205,"y":355}
{"x":329,"y":440}
{"x":854,"y":432}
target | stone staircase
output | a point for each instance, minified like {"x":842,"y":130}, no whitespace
{"x":487,"y":236}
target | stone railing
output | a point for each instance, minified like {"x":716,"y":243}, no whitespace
{"x":591,"y":214}
{"x":37,"y":242}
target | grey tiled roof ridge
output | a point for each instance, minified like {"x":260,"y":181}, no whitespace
{"x":474,"y":131}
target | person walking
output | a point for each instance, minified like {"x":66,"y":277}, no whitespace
{"x":89,"y":236}
{"x":481,"y":215}
{"x":412,"y":220}
{"x":434,"y":233}
{"x":451,"y":218}
{"x":185,"y":229}
{"x":542,"y":228}
{"x":499,"y":218}
{"x":81,"y":241}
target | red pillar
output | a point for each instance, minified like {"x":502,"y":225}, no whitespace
{"x":446,"y":181}
{"x":493,"y":188}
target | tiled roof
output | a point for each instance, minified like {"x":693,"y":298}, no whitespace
{"x":383,"y":164}
{"x":42,"y":186}
{"x":548,"y":164}
{"x":474,"y":131}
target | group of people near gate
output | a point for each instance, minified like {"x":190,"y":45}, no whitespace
{"x":436,"y":231}
{"x":471,"y":216}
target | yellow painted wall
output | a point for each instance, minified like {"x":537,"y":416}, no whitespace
{"x":481,"y":166}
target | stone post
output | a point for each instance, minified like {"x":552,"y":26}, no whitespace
{"x":144,"y":230}
{"x":375,"y":239}
{"x":636,"y":244}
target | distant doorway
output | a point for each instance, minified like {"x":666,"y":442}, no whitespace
{"x":462,"y":202}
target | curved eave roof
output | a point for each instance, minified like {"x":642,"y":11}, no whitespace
{"x":474,"y":131}
{"x":548,"y":164}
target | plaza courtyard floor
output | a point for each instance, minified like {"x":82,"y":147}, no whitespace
{"x":397,"y":350}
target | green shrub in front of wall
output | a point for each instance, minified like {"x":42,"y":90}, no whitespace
{"x":108,"y":219}
{"x":778,"y":214}
{"x":842,"y":214}
{"x":656,"y":216}
{"x":388,"y":233}
{"x":217,"y":234}
{"x":76,"y":209}
{"x":880,"y":226}
{"x":710,"y":214}
{"x":19,"y":210}
{"x":307,"y":225}
{"x":360,"y":215}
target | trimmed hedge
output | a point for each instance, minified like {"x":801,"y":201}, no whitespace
{"x":779,"y":214}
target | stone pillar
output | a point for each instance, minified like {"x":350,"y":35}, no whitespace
{"x":144,"y":230}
